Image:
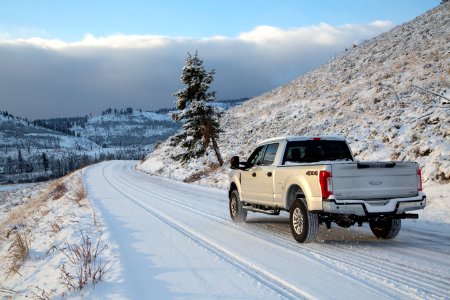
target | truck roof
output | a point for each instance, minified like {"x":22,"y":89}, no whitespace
{"x":302,"y":138}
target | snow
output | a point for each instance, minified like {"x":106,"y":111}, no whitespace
{"x":168,"y":239}
{"x":181,"y":237}
{"x":51,"y":223}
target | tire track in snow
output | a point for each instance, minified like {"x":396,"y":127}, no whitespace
{"x":269,"y":280}
{"x":403,"y":279}
{"x":281,"y":244}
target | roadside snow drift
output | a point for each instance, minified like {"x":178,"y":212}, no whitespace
{"x":41,"y":229}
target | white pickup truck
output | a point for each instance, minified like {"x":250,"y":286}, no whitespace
{"x":318,"y":181}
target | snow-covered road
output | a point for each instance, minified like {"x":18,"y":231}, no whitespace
{"x":176,"y":240}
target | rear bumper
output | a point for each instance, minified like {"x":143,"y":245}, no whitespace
{"x":395,"y":206}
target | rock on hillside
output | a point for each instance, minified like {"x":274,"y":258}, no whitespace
{"x":367,"y":94}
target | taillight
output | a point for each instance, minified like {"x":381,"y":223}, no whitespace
{"x":419,"y":179}
{"x":326,"y":184}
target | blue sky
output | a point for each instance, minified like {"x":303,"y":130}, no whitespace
{"x":70,"y":20}
{"x":75,"y":57}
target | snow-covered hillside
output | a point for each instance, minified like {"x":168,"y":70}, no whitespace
{"x":370,"y":94}
{"x":17,"y":133}
{"x":23,"y":144}
{"x":137,"y":128}
{"x":70,"y":143}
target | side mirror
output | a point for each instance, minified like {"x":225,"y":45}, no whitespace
{"x":234,"y":162}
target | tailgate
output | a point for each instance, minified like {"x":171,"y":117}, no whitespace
{"x":377,"y":180}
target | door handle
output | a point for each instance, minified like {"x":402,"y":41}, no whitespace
{"x":269,"y":174}
{"x":254,"y":174}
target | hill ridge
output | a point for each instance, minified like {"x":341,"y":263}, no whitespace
{"x":367,"y":94}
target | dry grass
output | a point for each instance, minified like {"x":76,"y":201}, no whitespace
{"x":55,"y":227}
{"x":201,"y":174}
{"x":42,"y":294}
{"x":18,"y":250}
{"x":57,"y":189}
{"x":85,"y":260}
{"x":19,"y":237}
{"x":33,"y":206}
{"x":80,"y":194}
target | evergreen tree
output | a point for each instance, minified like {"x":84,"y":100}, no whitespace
{"x":45,"y":162}
{"x":201,"y":121}
{"x":9,"y":166}
{"x":20,"y":162}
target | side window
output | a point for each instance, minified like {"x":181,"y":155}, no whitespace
{"x":255,"y":158}
{"x":269,"y":155}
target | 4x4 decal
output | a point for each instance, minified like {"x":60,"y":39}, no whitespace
{"x":312,"y":173}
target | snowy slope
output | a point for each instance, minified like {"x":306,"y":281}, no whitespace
{"x":367,"y":94}
{"x":18,"y":133}
{"x":51,"y":216}
{"x":138,"y":128}
{"x":109,"y":136}
{"x":33,"y":141}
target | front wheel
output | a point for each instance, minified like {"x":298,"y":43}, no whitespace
{"x":237,"y":212}
{"x":385,"y":228}
{"x":304,"y":224}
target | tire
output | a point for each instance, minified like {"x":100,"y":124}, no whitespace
{"x":237,"y":213}
{"x":385,"y":228}
{"x":304,"y":224}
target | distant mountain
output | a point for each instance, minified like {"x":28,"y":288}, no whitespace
{"x":69,"y":143}
{"x":118,"y":127}
{"x":17,"y":133}
{"x":22,"y":145}
{"x":381,"y":95}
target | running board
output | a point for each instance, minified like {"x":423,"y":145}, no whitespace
{"x":273,"y":212}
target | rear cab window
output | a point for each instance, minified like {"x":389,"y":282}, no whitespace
{"x":316,"y":150}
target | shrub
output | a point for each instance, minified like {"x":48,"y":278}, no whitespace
{"x":85,"y":260}
{"x":18,"y":251}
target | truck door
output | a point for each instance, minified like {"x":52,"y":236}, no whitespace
{"x":265,"y":175}
{"x":249,"y":182}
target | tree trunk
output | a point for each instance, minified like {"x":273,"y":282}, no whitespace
{"x":216,"y":150}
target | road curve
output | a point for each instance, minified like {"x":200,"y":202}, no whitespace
{"x":176,"y":240}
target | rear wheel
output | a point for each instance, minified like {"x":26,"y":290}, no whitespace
{"x":237,"y":213}
{"x":385,"y":228}
{"x":304,"y":224}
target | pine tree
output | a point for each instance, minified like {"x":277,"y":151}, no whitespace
{"x":20,"y":162}
{"x":201,"y":121}
{"x":9,"y":166}
{"x":45,"y":162}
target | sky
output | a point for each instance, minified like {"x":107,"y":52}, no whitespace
{"x":75,"y":57}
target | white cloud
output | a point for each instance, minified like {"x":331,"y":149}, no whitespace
{"x":143,"y":70}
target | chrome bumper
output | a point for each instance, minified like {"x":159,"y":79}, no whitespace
{"x":395,"y":206}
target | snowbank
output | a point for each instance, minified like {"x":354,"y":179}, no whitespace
{"x":50,"y":217}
